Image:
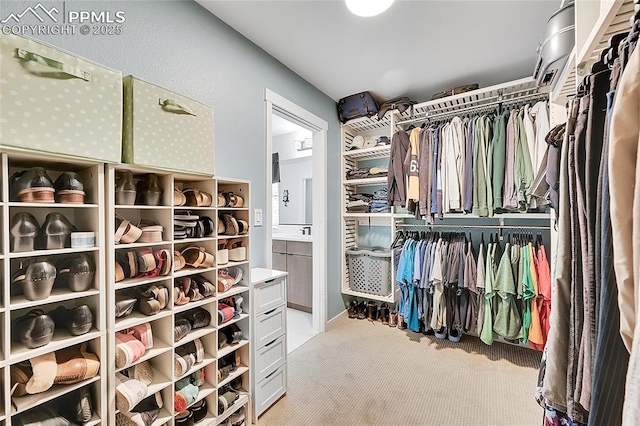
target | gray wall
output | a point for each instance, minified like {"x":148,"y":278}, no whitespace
{"x":181,"y":46}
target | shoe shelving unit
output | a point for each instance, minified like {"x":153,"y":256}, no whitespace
{"x":13,"y":304}
{"x":379,"y":229}
{"x":161,"y":356}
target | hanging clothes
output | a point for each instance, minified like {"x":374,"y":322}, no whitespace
{"x":510,"y":196}
{"x":487,"y":335}
{"x":396,"y":177}
{"x":507,"y":322}
{"x":498,"y":159}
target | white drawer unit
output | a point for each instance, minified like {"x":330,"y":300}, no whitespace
{"x":270,"y":389}
{"x":269,"y":338}
{"x":269,"y":294}
{"x":270,"y":356}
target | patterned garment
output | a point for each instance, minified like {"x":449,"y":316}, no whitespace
{"x":553,"y":417}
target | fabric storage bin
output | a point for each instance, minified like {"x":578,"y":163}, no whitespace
{"x":166,"y":130}
{"x":57,"y":102}
{"x":370,"y":270}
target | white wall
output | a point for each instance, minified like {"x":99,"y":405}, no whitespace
{"x":285,"y":145}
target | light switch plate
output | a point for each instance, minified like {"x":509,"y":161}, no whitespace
{"x":257,"y":217}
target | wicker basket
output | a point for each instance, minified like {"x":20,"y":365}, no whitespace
{"x":370,"y":270}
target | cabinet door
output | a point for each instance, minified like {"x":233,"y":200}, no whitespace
{"x":300,"y":283}
{"x":279,"y":262}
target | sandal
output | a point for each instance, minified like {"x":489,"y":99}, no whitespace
{"x":221,"y":227}
{"x":221,"y":200}
{"x":243,"y":227}
{"x":151,"y":231}
{"x":179,"y":199}
{"x":197,"y":198}
{"x":230,"y":225}
{"x":198,"y":257}
{"x":206,"y":288}
{"x":237,"y":251}
{"x":180,"y":289}
{"x":225,"y":282}
{"x":178,"y":261}
{"x":127,"y":232}
{"x":222,"y":253}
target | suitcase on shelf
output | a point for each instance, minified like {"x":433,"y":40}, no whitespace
{"x":355,"y":106}
{"x":456,"y":91}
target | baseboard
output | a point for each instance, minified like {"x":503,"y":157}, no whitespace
{"x":333,"y":321}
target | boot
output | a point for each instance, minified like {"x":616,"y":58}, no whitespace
{"x":384,"y":314}
{"x":360,"y":310}
{"x":352,"y":311}
{"x":372,"y":311}
{"x":401,"y":324}
{"x":393,"y":319}
{"x":125,"y":189}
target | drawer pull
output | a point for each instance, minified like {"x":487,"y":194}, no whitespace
{"x":170,"y":105}
{"x":52,"y":63}
{"x":270,"y":281}
{"x":270,"y":374}
{"x":271,"y":311}
{"x":270,"y":343}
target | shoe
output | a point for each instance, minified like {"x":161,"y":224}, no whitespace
{"x":199,"y":410}
{"x":384,"y":314}
{"x":35,"y":329}
{"x":197,"y":198}
{"x":206,"y":288}
{"x":179,"y":199}
{"x":198,"y":257}
{"x":76,"y":272}
{"x":150,"y":403}
{"x":185,"y":393}
{"x":352,"y":309}
{"x":152,"y":300}
{"x":360,"y":310}
{"x":225,"y":313}
{"x":393,"y":319}
{"x":129,"y":392}
{"x":33,"y":376}
{"x":36,"y":279}
{"x":55,"y":232}
{"x":143,"y":333}
{"x":184,"y":419}
{"x":24,"y":229}
{"x":142,"y":372}
{"x":455,"y":335}
{"x":149,"y":192}
{"x":198,"y":318}
{"x":222,"y":254}
{"x":197,"y":378}
{"x":372,"y":311}
{"x":78,"y":320}
{"x":32,"y":186}
{"x":125,"y":189}
{"x":181,"y":328}
{"x":43,"y":416}
{"x":69,"y":188}
{"x":194,"y":348}
{"x":230,"y":225}
{"x":75,"y":364}
{"x":124,"y":305}
{"x":232,"y":335}
{"x":237,"y":250}
{"x":134,"y":418}
{"x":441,"y":333}
{"x":128,"y":349}
{"x":237,"y":418}
{"x":79,"y":406}
{"x":402,"y":325}
{"x":226,"y":400}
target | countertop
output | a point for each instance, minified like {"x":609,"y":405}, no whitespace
{"x":293,"y":237}
{"x":260,"y":275}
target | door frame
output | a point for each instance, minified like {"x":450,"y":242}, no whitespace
{"x":319,"y":128}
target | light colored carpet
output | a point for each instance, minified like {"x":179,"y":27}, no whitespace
{"x":363,"y":373}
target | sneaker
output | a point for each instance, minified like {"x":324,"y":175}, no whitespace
{"x":455,"y":335}
{"x":143,"y":333}
{"x":129,"y":392}
{"x":181,"y":328}
{"x":142,"y":372}
{"x":128,"y":349}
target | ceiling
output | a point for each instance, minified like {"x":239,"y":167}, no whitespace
{"x":416,"y":48}
{"x":280,"y":126}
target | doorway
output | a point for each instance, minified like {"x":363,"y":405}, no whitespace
{"x":295,"y":214}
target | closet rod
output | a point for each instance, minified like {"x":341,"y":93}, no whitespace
{"x":429,"y":115}
{"x":441,"y":225}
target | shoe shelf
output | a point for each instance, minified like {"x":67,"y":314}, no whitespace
{"x":240,"y":370}
{"x":24,"y":403}
{"x":233,"y":321}
{"x":240,"y":402}
{"x":162,"y":323}
{"x":232,"y":348}
{"x":87,"y":215}
{"x":372,"y":181}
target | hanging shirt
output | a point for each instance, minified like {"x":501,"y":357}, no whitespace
{"x":543,"y":301}
{"x":439,"y":315}
{"x":536,"y":340}
{"x":455,"y":144}
{"x":507,"y":322}
{"x":540,"y":114}
{"x":396,"y":176}
{"x":480,"y":168}
{"x":468,"y":167}
{"x":523,"y":168}
{"x":412,"y":165}
{"x":527,"y":285}
{"x":509,"y":194}
{"x":425,"y":163}
{"x":487,"y":335}
{"x":498,"y":159}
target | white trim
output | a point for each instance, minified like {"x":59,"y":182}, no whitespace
{"x":319,"y":127}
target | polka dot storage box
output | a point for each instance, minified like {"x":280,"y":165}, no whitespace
{"x":166,"y":130}
{"x":54,"y":101}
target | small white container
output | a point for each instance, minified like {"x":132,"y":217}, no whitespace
{"x":83,"y":239}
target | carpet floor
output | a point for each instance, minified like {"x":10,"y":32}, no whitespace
{"x":363,"y":373}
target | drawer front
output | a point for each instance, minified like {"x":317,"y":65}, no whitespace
{"x":270,"y":325}
{"x":270,"y":389}
{"x":296,"y":247}
{"x":57,"y":102}
{"x":167,"y":130}
{"x":271,"y":356}
{"x":269,"y":295}
{"x":279,"y":246}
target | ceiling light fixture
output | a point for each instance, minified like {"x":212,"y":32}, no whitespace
{"x":367,"y":8}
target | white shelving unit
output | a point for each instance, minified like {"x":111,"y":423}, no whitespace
{"x":355,"y":225}
{"x":13,"y":304}
{"x":162,"y":323}
{"x":596,"y":23}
